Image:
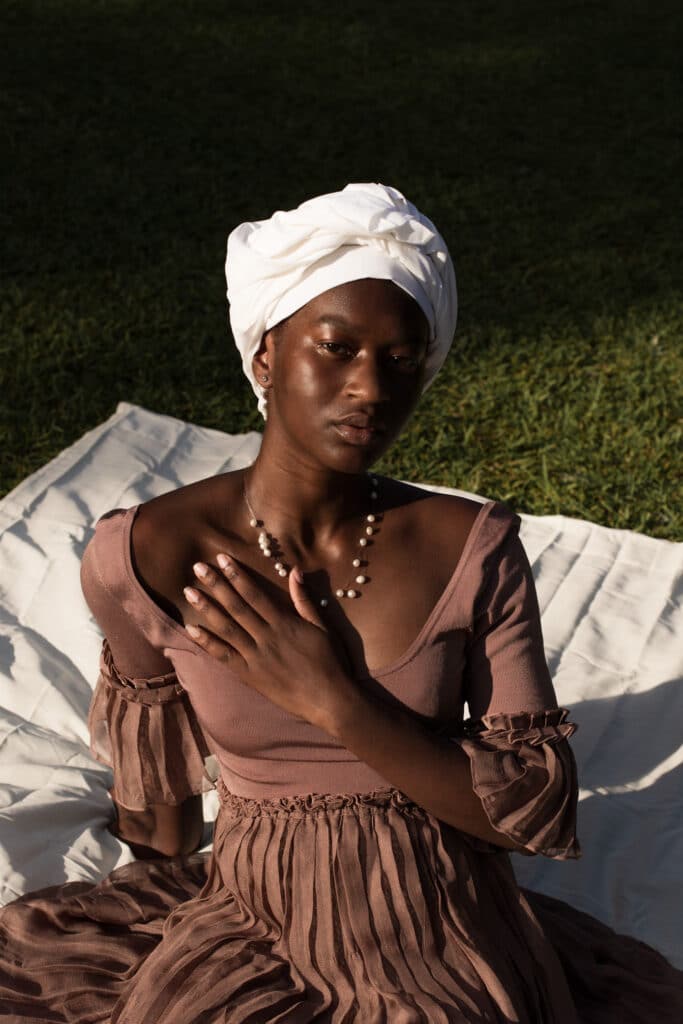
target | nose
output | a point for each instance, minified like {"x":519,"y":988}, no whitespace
{"x":367,"y":380}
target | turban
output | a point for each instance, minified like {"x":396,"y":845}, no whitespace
{"x":275,"y":266}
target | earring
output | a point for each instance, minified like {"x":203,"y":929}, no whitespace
{"x":264,"y":391}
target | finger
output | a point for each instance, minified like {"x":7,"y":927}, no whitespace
{"x":220,"y":586}
{"x":302,"y":599}
{"x":252,"y":606}
{"x":219,"y":622}
{"x":213,"y":645}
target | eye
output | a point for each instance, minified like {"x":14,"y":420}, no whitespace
{"x":334,"y":347}
{"x":408,"y":363}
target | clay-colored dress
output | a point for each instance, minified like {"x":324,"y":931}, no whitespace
{"x":329,"y":895}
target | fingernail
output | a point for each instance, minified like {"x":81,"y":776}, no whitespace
{"x":193,"y":631}
{"x":223,"y":561}
{"x":298,"y":576}
{"x":192,"y":595}
{"x":201,"y":570}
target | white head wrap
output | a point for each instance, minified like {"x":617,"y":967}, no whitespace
{"x":275,"y":266}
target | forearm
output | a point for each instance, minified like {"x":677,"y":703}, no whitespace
{"x":431,"y":770}
{"x":161,"y":830}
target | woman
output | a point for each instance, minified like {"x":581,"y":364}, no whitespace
{"x":319,"y":628}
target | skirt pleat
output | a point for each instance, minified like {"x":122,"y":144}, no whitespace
{"x":336,"y":908}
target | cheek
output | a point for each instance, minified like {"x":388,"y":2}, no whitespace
{"x":310,"y":380}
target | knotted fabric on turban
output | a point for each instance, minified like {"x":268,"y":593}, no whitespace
{"x":275,"y":266}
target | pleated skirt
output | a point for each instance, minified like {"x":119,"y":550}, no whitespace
{"x":334,"y":908}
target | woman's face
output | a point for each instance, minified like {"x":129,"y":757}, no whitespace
{"x":346,"y":372}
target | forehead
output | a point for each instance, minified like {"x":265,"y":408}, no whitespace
{"x":366,"y":305}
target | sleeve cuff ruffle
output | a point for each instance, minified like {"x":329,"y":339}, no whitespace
{"x":146,"y":731}
{"x":524,"y":772}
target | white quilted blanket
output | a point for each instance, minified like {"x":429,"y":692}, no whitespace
{"x":612,"y":624}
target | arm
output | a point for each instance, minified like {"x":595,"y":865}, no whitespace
{"x":161,"y":829}
{"x":510,"y":778}
{"x":139,"y":714}
{"x":143,"y":728}
{"x":430,"y":769}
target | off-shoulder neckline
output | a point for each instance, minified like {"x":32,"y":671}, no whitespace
{"x":412,"y":650}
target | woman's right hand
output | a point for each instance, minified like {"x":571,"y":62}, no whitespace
{"x":287,"y":654}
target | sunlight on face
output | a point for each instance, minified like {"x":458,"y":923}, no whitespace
{"x":356,"y":352}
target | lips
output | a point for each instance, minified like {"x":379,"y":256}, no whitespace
{"x":358,"y":429}
{"x":362,"y":422}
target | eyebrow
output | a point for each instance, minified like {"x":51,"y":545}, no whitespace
{"x":341,"y":321}
{"x":334,"y":321}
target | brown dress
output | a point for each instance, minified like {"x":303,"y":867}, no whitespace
{"x":329,"y":895}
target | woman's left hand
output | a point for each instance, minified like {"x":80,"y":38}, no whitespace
{"x":287,"y":655}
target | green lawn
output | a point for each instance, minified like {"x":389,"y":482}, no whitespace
{"x":543,"y":139}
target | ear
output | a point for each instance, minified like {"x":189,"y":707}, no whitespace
{"x":263,"y":361}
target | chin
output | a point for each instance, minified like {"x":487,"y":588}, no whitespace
{"x":348,"y":458}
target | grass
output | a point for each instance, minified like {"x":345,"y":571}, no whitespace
{"x":542,"y":139}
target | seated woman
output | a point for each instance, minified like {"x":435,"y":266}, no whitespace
{"x":320,"y":628}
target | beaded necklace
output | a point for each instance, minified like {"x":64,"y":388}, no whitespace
{"x":270,"y":548}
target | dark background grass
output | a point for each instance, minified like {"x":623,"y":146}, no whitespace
{"x":543,"y":139}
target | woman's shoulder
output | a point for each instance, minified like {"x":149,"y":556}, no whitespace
{"x":172,"y":531}
{"x":450,"y":537}
{"x":142,"y":555}
{"x":451,"y":521}
{"x":206,"y":497}
{"x":102,"y":562}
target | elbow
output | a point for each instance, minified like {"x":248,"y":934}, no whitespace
{"x":162,"y":830}
{"x":160,"y":849}
{"x":507,"y":843}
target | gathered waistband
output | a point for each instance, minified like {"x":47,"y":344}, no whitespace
{"x":308,"y":803}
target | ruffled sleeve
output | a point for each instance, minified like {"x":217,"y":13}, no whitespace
{"x":146,"y":731}
{"x":524,"y":772}
{"x":517,"y":738}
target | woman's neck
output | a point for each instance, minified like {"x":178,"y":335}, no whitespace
{"x":305,"y":506}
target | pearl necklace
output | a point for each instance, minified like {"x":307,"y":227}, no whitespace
{"x":269,"y":547}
